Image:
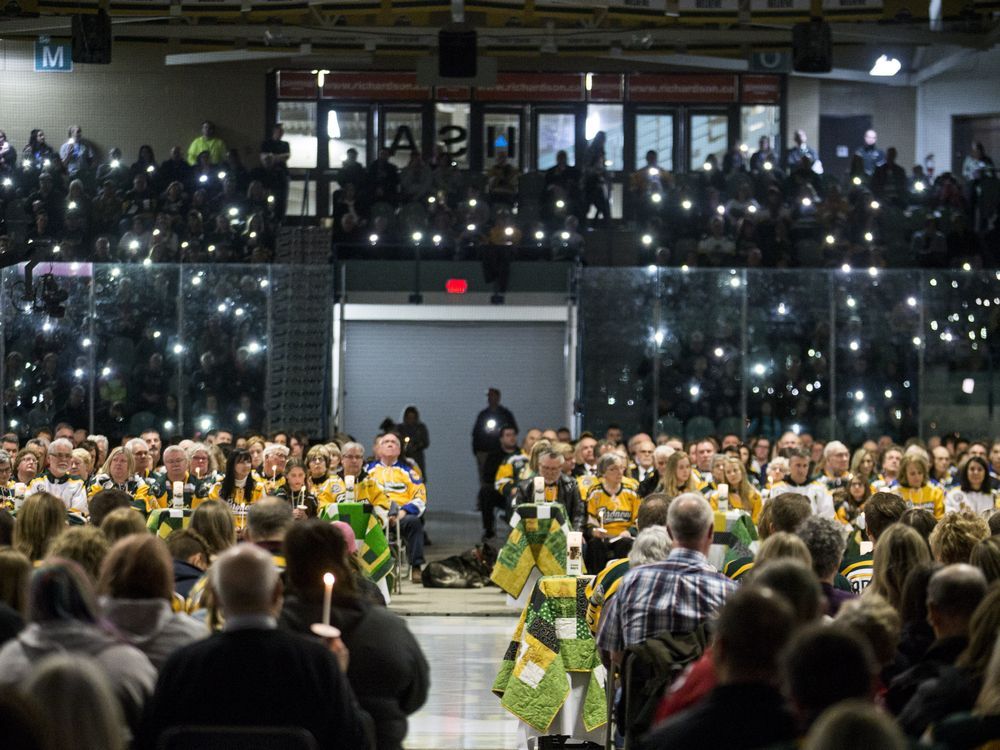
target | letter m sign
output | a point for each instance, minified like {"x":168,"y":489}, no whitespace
{"x":51,"y":57}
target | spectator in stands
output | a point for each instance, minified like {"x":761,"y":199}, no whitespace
{"x":854,"y":724}
{"x":37,"y":152}
{"x":801,"y":150}
{"x":763,"y":159}
{"x":145,"y":163}
{"x":746,"y":709}
{"x":387,"y":669}
{"x":678,"y":595}
{"x":207,"y":682}
{"x":562,"y":190}
{"x":558,"y":488}
{"x":889,"y":183}
{"x":141,"y":200}
{"x":871,"y":155}
{"x":404,"y":487}
{"x":382,"y":179}
{"x":986,"y":557}
{"x":953,"y":594}
{"x":190,"y":553}
{"x":77,"y":154}
{"x":174,"y":169}
{"x":134,"y":244}
{"x":114,"y":170}
{"x":351,"y":172}
{"x":8,"y":156}
{"x":416,"y":182}
{"x":502,"y":181}
{"x":281,"y":153}
{"x":595,"y":179}
{"x":207,"y":141}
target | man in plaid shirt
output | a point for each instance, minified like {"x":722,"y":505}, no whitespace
{"x":676,"y":595}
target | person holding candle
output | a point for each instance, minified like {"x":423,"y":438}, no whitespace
{"x":387,"y":669}
{"x":296,"y":492}
{"x":238,"y":488}
{"x":272,"y":473}
{"x":161,"y":486}
{"x":214,"y":681}
{"x":203,"y":468}
{"x":556,"y":487}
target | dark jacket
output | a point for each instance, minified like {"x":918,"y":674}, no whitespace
{"x":255,"y":677}
{"x":568,"y":496}
{"x":732,"y":717}
{"x":185,"y":576}
{"x":942,"y":653}
{"x":387,"y":671}
{"x":954,"y":690}
{"x":485,"y":438}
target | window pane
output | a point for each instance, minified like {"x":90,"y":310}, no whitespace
{"x":758,"y":121}
{"x":655,"y":132}
{"x":610,"y":119}
{"x":709,"y":137}
{"x":502,"y":131}
{"x":346,"y":130}
{"x":299,"y":119}
{"x":556,"y":132}
{"x":452,"y":137}
{"x":297,"y":197}
{"x":402,"y":135}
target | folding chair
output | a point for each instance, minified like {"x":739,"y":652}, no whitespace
{"x":398,"y":549}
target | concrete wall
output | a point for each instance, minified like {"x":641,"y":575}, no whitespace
{"x":893,"y":111}
{"x":969,"y":89}
{"x":135,"y":100}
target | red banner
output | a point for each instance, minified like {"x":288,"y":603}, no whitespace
{"x":534,"y":87}
{"x":760,"y":89}
{"x":653,"y":87}
{"x":606,"y":87}
{"x":374,"y":86}
{"x":452,"y":93}
{"x":296,"y":84}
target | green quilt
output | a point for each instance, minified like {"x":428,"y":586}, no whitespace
{"x":164,"y":521}
{"x":551,"y":640}
{"x":538,"y":540}
{"x":373,"y":549}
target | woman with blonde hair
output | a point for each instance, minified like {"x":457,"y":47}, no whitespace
{"x":900,"y":548}
{"x":955,"y":535}
{"x":214,"y":521}
{"x":782,"y":544}
{"x":677,"y":476}
{"x":863,"y":465}
{"x":122,"y":522}
{"x":322,"y":482}
{"x":81,"y":709}
{"x":914,"y":483}
{"x":742,"y":495}
{"x":119,"y":473}
{"x":82,"y":464}
{"x":41,"y":519}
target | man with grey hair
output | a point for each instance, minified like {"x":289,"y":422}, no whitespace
{"x":267,"y":522}
{"x":836,"y":458}
{"x":208,"y":682}
{"x":557,"y":488}
{"x":677,"y":595}
{"x":142,"y":456}
{"x":953,"y":594}
{"x":56,"y":479}
{"x":161,"y":486}
{"x":272,"y":472}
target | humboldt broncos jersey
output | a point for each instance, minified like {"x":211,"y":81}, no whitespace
{"x":619,"y":509}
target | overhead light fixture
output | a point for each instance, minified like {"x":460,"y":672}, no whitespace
{"x":885,"y":67}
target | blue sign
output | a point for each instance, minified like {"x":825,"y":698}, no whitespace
{"x":53,"y":57}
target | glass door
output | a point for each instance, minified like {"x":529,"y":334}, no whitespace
{"x":344,"y":149}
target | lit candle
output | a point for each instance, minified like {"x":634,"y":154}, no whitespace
{"x":274,"y":473}
{"x":327,"y":596}
{"x":197,"y":472}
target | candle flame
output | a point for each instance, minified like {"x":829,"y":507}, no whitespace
{"x":328,"y":579}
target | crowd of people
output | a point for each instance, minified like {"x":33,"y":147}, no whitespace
{"x":200,"y":205}
{"x":760,"y":209}
{"x":116,"y":616}
{"x":872,"y":596}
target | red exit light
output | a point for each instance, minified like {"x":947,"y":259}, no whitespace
{"x":456,"y":286}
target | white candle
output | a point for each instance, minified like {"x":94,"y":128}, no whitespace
{"x":327,"y":597}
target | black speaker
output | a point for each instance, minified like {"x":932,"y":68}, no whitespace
{"x":92,"y":38}
{"x":812,"y":47}
{"x":457,"y":53}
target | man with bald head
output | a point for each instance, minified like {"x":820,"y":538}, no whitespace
{"x":214,"y":682}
